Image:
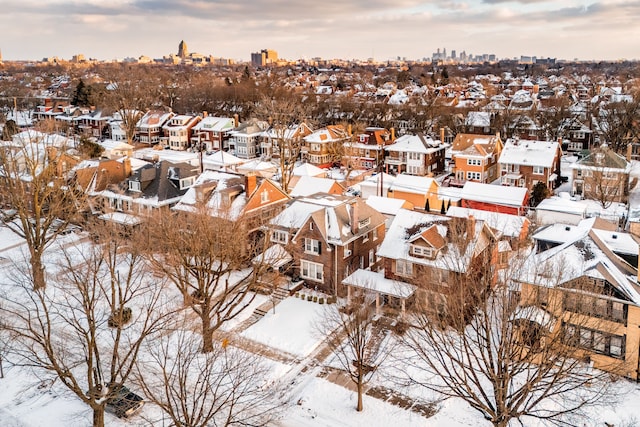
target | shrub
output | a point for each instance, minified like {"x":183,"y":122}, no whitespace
{"x":309,"y":298}
{"x":315,"y":299}
{"x":321,"y":300}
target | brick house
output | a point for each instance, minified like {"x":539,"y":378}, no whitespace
{"x":475,"y":158}
{"x":429,"y":252}
{"x":213,"y":133}
{"x":415,"y":155}
{"x":177,"y":131}
{"x":336,"y":240}
{"x":324,"y":146}
{"x":524,"y":163}
{"x":594,"y":300}
{"x":603,"y":176}
{"x":149,"y":127}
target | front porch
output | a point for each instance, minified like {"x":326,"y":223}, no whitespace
{"x":391,"y":296}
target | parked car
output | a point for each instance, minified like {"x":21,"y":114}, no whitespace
{"x":122,"y":402}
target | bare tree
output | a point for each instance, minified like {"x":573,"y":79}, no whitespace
{"x":508,"y":360}
{"x":33,"y":190}
{"x":86,"y":329}
{"x":359,"y":344}
{"x":209,"y":260}
{"x":618,"y":123}
{"x":288,"y":120}
{"x":223,"y":387}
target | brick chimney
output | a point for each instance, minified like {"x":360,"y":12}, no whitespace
{"x":205,"y":114}
{"x":393,"y":134}
{"x":235,"y":120}
{"x":355,"y":217}
{"x":442,"y":135}
{"x":251,"y":183}
{"x":629,"y":152}
{"x":127,"y":167}
{"x":471,"y":227}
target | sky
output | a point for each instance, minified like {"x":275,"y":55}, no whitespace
{"x":346,"y":29}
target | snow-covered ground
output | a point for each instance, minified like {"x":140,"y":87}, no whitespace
{"x":26,"y":400}
{"x":291,"y":328}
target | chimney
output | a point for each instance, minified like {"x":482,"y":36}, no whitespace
{"x":251,"y":183}
{"x":393,"y":134}
{"x":629,"y":152}
{"x":442,"y":135}
{"x":127,"y":167}
{"x":355,"y":217}
{"x":205,"y":114}
{"x":235,"y":120}
{"x":349,"y":129}
{"x":471,"y":227}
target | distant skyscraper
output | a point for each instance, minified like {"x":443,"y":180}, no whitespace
{"x":183,"y":52}
{"x":453,"y":54}
{"x":264,"y":57}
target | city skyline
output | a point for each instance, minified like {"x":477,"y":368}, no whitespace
{"x":382,"y":29}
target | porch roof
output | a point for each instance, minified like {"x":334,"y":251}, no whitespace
{"x":376,"y":282}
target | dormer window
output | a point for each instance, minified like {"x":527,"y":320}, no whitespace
{"x":134,"y":185}
{"x":187,"y":182}
{"x":422,"y":251}
{"x":364,"y":222}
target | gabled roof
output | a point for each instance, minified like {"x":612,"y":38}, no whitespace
{"x":476,"y":145}
{"x":409,"y":225}
{"x":332,"y":133}
{"x":307,"y":185}
{"x":603,"y":158}
{"x":478,"y":119}
{"x":215,"y":124}
{"x":583,"y":256}
{"x":338,"y":223}
{"x":506,"y":224}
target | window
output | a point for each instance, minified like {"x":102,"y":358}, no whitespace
{"x":375,"y":234}
{"x":615,"y":346}
{"x":474,"y":162}
{"x":617,"y":311}
{"x":347,"y":251}
{"x":421,"y":251}
{"x":371,"y":257}
{"x":473,"y":176}
{"x":363,"y":223}
{"x":279,"y":236}
{"x":538,"y":170}
{"x":134,"y":185}
{"x":365,"y":237}
{"x":404,"y":268}
{"x":311,"y":270}
{"x":312,"y":246}
{"x":264,"y":196}
{"x":187,"y":182}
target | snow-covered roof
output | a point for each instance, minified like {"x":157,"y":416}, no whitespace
{"x":396,"y":243}
{"x":151,"y":154}
{"x":508,"y":225}
{"x":276,"y":256}
{"x":295,"y":215}
{"x":308,"y":185}
{"x":215,"y":124}
{"x":495,"y":194}
{"x":415,"y":144}
{"x":226,"y":197}
{"x":220,"y":159}
{"x":413,"y":184}
{"x":529,"y":153}
{"x":307,"y":169}
{"x":560,"y":204}
{"x":385,"y":205}
{"x":376,"y":282}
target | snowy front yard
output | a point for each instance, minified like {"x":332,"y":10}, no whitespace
{"x":291,"y":328}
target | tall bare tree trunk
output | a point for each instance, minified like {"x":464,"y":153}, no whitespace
{"x":207,"y":335}
{"x":38,"y":271}
{"x":360,"y":407}
{"x":98,"y":417}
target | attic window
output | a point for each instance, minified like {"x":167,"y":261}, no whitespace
{"x":186,"y":182}
{"x":614,"y":236}
{"x":264,"y":196}
{"x":134,"y":185}
{"x":567,"y":229}
{"x":422,"y":251}
{"x":364,"y":222}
